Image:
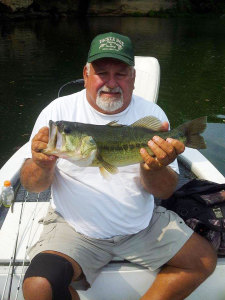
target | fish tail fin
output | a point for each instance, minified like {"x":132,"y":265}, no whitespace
{"x":192,"y":131}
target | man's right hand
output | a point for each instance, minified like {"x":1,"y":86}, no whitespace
{"x":39,"y":142}
{"x":37,"y":173}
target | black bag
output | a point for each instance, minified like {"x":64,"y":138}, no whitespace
{"x":201,"y":204}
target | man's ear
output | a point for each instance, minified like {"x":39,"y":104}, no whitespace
{"x":134,"y":76}
{"x":85,"y":75}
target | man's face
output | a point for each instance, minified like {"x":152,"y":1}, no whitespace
{"x":109,"y":85}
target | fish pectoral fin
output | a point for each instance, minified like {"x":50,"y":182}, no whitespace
{"x":104,"y":173}
{"x":108,"y":167}
{"x":87,"y":146}
{"x":114,"y":124}
{"x":148,"y":122}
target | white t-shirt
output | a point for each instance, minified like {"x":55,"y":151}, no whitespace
{"x":94,"y":206}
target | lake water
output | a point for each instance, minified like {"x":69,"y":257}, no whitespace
{"x":38,"y":56}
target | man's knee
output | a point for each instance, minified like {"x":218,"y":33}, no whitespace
{"x":205,"y":255}
{"x":37,"y":288}
{"x":53,"y":269}
{"x":208,"y":257}
{"x":197,"y":254}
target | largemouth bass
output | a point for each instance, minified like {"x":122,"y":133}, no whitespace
{"x":114,"y":145}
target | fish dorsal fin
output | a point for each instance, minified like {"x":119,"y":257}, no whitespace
{"x":108,"y":167}
{"x":148,"y":122}
{"x":114,"y":124}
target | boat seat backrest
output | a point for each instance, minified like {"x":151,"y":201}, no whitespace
{"x":147,"y":75}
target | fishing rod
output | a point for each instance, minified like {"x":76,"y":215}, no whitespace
{"x":14,"y":252}
{"x":77,"y":81}
{"x":15,"y":247}
{"x":12,"y":259}
{"x":27,"y":246}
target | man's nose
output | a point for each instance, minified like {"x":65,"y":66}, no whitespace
{"x":111,"y":82}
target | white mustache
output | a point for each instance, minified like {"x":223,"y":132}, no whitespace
{"x":109,"y":104}
{"x":109,"y":90}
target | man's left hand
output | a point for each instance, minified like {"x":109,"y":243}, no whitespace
{"x":165,"y":151}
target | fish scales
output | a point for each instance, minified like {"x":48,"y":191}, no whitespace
{"x":120,"y":147}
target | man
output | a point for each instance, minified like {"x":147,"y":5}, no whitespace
{"x":91,"y":220}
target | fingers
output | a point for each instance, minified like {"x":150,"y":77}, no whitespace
{"x":164,"y":152}
{"x":44,"y":161}
{"x":165,"y":126}
{"x":39,"y":142}
{"x":178,"y":146}
{"x":150,"y":163}
{"x":42,"y":135}
{"x":37,"y":146}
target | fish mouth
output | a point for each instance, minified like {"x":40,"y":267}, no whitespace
{"x":59,"y":144}
{"x":56,"y":139}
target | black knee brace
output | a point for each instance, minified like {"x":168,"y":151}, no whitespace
{"x":56,"y":269}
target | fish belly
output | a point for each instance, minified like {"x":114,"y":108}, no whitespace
{"x":122,"y":157}
{"x":121,"y":147}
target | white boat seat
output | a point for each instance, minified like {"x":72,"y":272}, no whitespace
{"x":147,"y":74}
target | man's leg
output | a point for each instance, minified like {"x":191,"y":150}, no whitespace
{"x":39,"y":288}
{"x":182,"y":274}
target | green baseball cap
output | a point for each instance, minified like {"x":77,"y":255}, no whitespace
{"x":113,"y":45}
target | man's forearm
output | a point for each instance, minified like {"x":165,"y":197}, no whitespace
{"x":161,"y":183}
{"x":34,"y":178}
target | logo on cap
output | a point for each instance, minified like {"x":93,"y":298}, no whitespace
{"x":111,"y":44}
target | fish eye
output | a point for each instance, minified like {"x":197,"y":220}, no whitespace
{"x":67,"y":130}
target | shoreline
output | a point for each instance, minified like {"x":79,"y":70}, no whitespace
{"x":27,"y":15}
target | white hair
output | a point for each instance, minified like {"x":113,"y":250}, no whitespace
{"x":88,"y":68}
{"x":88,"y":65}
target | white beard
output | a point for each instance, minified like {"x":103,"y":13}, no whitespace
{"x":109,"y":104}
